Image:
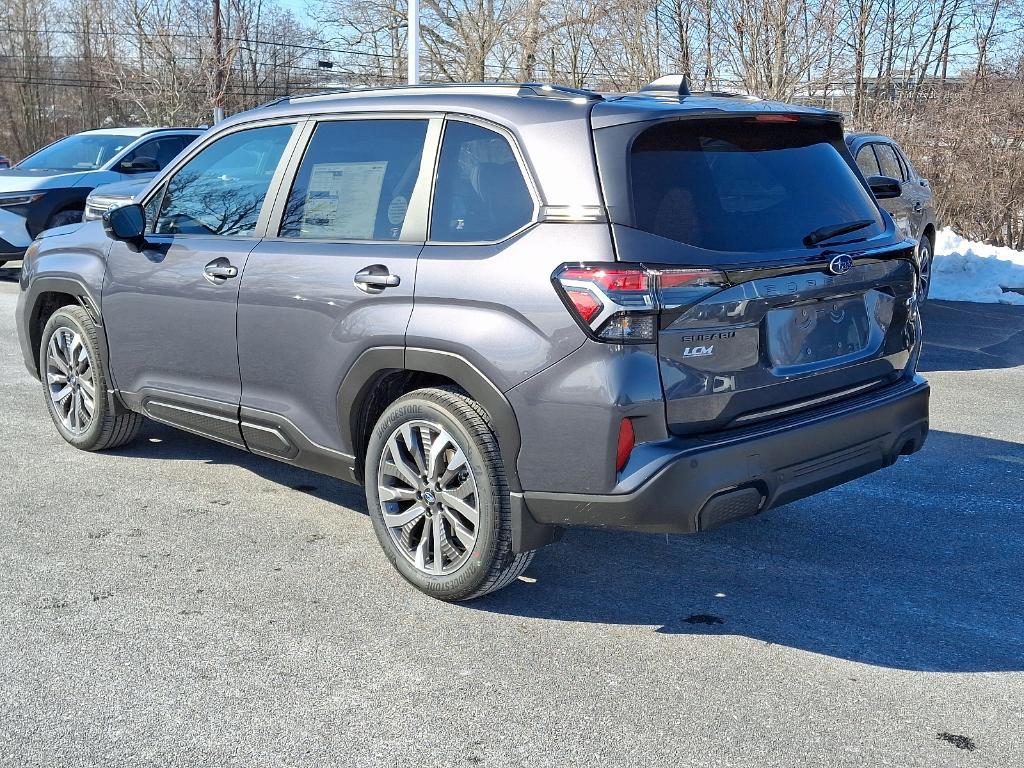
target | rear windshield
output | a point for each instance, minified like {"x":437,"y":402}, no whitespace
{"x":740,"y":185}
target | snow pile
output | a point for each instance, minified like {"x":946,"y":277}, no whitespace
{"x":964,"y":270}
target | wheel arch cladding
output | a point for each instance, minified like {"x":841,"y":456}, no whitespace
{"x":383,"y":374}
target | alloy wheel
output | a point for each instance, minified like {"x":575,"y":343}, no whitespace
{"x":924,"y":261}
{"x":428,"y":497}
{"x":70,"y":380}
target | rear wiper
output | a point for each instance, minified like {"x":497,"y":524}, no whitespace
{"x":835,"y":230}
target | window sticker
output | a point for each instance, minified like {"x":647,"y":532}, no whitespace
{"x":342,"y":200}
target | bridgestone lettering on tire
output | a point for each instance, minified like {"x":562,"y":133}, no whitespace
{"x":437,"y":495}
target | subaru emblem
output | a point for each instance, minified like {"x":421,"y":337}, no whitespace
{"x":840,"y":264}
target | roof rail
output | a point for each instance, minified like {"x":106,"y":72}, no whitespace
{"x":546,"y":90}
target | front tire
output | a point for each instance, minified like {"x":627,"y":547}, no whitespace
{"x":75,"y":387}
{"x":925,"y":257}
{"x":63,"y":218}
{"x":437,"y":496}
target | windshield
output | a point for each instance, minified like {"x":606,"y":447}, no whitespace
{"x":740,"y":185}
{"x":81,"y":152}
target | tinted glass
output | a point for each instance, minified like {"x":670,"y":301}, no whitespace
{"x":161,"y":151}
{"x":867,"y":161}
{"x":739,"y":186}
{"x":887,"y":161}
{"x":81,"y":152}
{"x":480,"y":192}
{"x":220,"y":191}
{"x":355,"y":180}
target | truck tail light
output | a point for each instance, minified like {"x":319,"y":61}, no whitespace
{"x":620,"y":303}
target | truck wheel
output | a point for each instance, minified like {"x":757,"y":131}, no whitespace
{"x":71,"y":368}
{"x":437,"y":495}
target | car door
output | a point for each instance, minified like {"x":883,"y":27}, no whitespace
{"x":169,"y":307}
{"x":333,"y":278}
{"x":900,"y":207}
{"x":917,"y":193}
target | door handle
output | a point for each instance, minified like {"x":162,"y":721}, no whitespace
{"x":918,"y":206}
{"x":219,"y":270}
{"x":375,"y":278}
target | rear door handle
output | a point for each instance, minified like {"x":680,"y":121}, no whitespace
{"x":219,"y":270}
{"x":375,"y":278}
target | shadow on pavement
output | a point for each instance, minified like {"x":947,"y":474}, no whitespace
{"x":918,"y":567}
{"x":9,"y":273}
{"x":159,"y":442}
{"x":961,"y":336}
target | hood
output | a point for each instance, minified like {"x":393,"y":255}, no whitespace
{"x":122,"y":189}
{"x":14,"y":180}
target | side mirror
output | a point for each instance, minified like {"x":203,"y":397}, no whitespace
{"x":884,"y":187}
{"x":127,"y":224}
{"x":140,"y":165}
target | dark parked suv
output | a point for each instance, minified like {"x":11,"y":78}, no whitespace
{"x":912,"y":210}
{"x":504,"y":309}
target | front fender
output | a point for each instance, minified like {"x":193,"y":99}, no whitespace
{"x":60,"y":270}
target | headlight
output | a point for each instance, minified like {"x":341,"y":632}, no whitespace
{"x":18,"y":198}
{"x":96,"y":206}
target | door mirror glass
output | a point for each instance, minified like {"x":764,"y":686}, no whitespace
{"x":884,"y":187}
{"x":127,"y":223}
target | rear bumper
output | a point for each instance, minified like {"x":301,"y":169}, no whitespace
{"x":697,"y":485}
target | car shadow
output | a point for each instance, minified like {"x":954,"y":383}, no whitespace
{"x":963,"y":336}
{"x":918,"y":567}
{"x":160,"y":442}
{"x":9,"y":274}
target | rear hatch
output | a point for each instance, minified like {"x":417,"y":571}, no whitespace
{"x":807,"y":294}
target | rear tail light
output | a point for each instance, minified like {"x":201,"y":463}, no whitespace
{"x":619,"y":303}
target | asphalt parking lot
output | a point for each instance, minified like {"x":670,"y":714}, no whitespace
{"x":180,"y":603}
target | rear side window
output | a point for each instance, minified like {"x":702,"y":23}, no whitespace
{"x":480,"y":193}
{"x":888,"y":162}
{"x":355,"y":180}
{"x":867,"y":162}
{"x":740,"y":186}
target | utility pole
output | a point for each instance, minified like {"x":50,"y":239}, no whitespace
{"x":218,"y":66}
{"x":414,"y":42}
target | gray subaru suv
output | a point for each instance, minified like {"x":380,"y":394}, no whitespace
{"x":503,"y":309}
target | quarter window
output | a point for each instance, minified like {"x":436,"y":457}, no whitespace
{"x":355,"y":180}
{"x":221,"y":190}
{"x":480,"y":194}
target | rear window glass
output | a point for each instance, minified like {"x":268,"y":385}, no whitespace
{"x":732,"y":185}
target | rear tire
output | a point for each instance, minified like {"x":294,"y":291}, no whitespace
{"x":72,"y":368}
{"x":437,"y":495}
